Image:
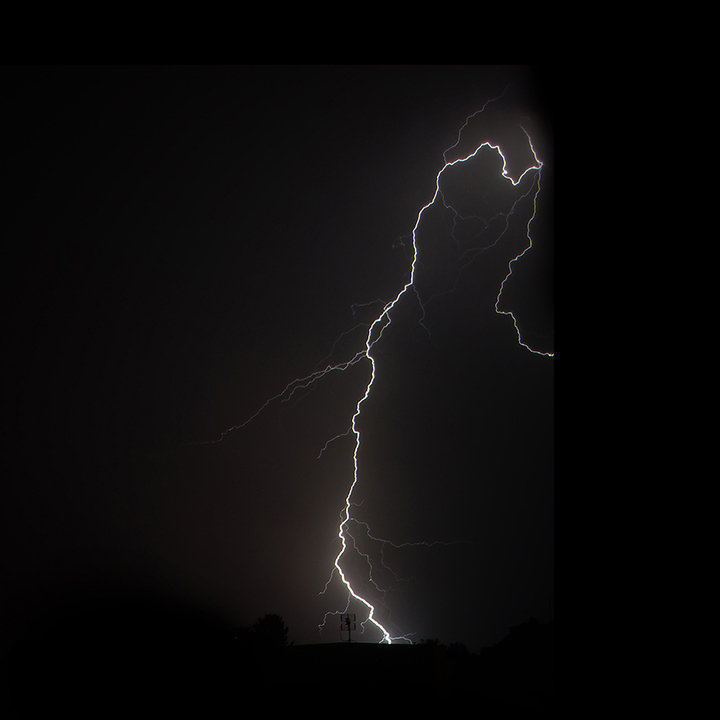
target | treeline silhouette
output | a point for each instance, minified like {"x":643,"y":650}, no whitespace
{"x":150,"y":660}
{"x":518,"y":671}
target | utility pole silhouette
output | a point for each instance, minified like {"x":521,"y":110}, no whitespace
{"x":347,"y":622}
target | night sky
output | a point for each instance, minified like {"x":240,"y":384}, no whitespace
{"x":181,"y":243}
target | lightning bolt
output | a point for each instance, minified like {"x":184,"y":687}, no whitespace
{"x":374,"y":333}
{"x":383,"y":321}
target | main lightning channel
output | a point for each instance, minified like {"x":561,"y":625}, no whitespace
{"x":374,"y":333}
{"x":383,"y":321}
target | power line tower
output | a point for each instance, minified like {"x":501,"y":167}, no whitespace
{"x":347,"y":622}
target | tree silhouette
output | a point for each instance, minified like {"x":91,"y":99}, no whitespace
{"x":435,"y":642}
{"x":270,"y":631}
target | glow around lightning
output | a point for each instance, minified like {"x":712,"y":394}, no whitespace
{"x":375,"y":331}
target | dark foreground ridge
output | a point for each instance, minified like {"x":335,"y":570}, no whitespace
{"x":517,"y":672}
{"x":148,"y":662}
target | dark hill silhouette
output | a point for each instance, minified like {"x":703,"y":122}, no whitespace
{"x":520,"y":668}
{"x":517,"y":672}
{"x":149,"y":658}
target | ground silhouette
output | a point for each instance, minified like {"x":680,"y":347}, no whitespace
{"x":517,"y":672}
{"x":148,"y":658}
